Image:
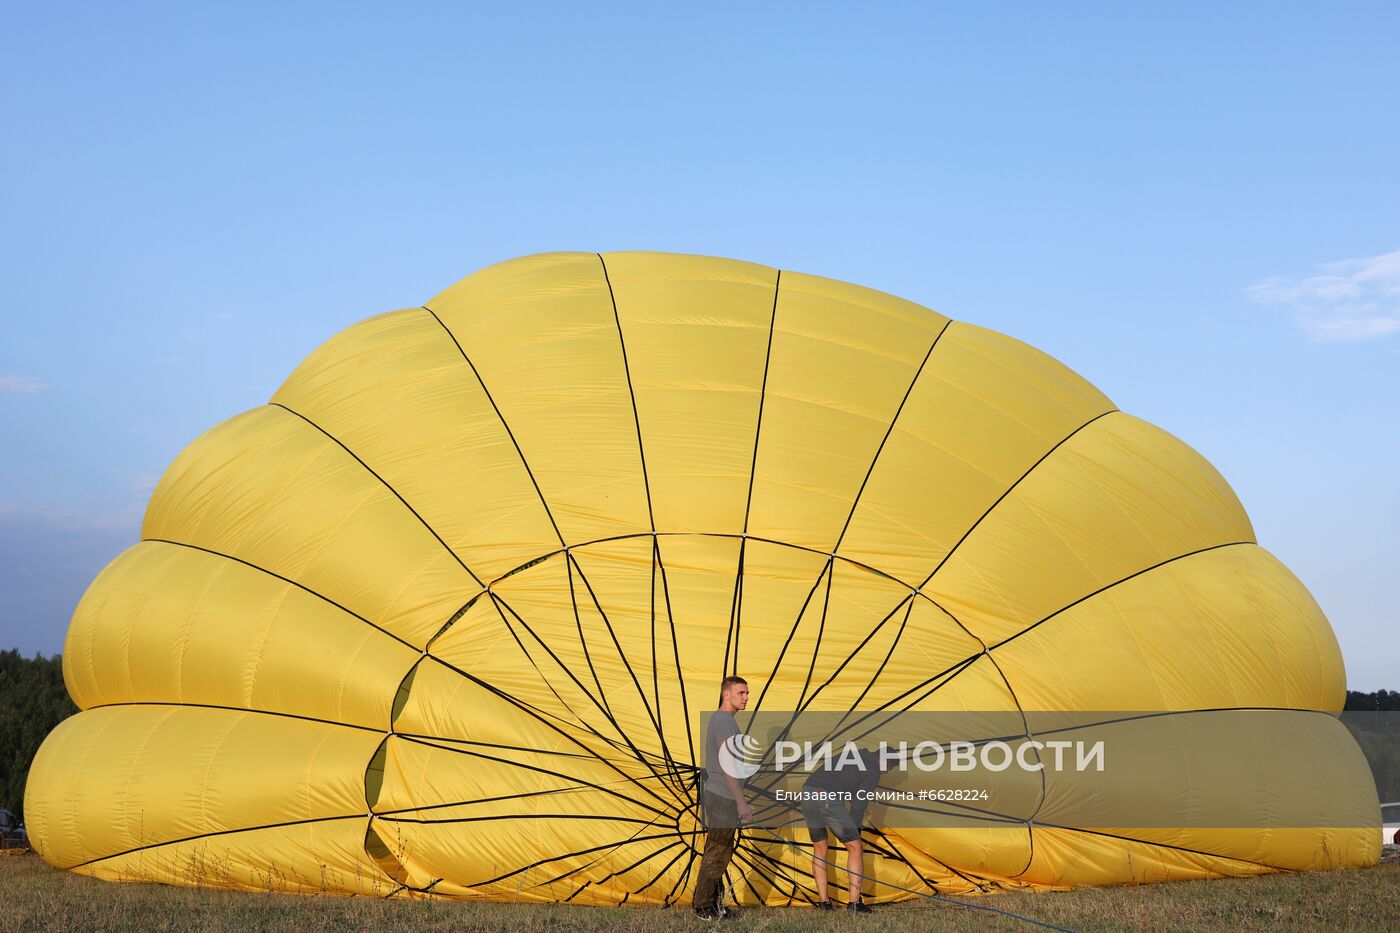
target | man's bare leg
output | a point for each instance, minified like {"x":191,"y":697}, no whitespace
{"x":854,"y":872}
{"x":819,"y":869}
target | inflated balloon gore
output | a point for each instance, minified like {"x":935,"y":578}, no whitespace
{"x":442,"y":616}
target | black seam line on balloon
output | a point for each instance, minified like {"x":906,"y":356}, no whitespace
{"x":612,"y":818}
{"x":937,"y":682}
{"x":798,"y":886}
{"x":496,"y":745}
{"x":821,"y":630}
{"x":576,"y":893}
{"x":221,"y":832}
{"x":510,"y":748}
{"x":619,"y":871}
{"x":636,"y":752}
{"x":1009,"y":489}
{"x":607,"y":623}
{"x":684,"y":875}
{"x":796,"y":889}
{"x":932,"y":886}
{"x":509,"y":433}
{"x":752,"y":846}
{"x":582,"y":640}
{"x":855,"y":705}
{"x":769,"y":877}
{"x":544,"y":720}
{"x":1162,"y":845}
{"x":703,"y":534}
{"x":300,"y":586}
{"x":747,"y":853}
{"x":894,"y":642}
{"x":656,"y":667}
{"x":792,"y":632}
{"x":673,"y":777}
{"x":237,"y":709}
{"x":675,"y":649}
{"x":1026,"y":728}
{"x":737,"y":606}
{"x":563,"y":876}
{"x":1110,"y":586}
{"x":555,"y":858}
{"x":762,"y":395}
{"x":855,"y":651}
{"x":622,"y":656}
{"x":634,"y":837}
{"x":829,"y":574}
{"x":855,"y":503}
{"x":631,"y":392}
{"x":387,"y":485}
{"x":665,"y":868}
{"x":504,"y":424}
{"x":626,"y":740}
{"x":1180,"y":712}
{"x":582,"y":784}
{"x":739,"y":855}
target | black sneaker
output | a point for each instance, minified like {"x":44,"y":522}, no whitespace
{"x":824,"y":905}
{"x":728,"y":913}
{"x":709,"y":913}
{"x":858,"y":907}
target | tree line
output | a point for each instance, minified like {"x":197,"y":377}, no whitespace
{"x":32,"y":701}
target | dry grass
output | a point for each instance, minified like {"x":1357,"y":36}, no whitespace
{"x":34,"y":896}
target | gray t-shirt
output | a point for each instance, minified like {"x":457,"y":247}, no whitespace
{"x":721,"y":727}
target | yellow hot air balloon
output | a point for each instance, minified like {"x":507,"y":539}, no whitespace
{"x":441,"y":617}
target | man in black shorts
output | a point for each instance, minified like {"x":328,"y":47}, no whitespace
{"x":835,"y":799}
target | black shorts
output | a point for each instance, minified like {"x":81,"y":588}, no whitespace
{"x":823,"y":815}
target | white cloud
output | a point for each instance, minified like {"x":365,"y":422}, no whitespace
{"x":1352,"y":299}
{"x":20,"y":385}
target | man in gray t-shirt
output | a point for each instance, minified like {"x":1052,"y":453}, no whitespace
{"x":722,"y":800}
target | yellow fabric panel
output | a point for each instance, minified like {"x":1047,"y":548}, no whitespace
{"x":1069,"y":858}
{"x":564,"y":398}
{"x":843,"y":358}
{"x":309,"y":858}
{"x":269,"y":489}
{"x":168,"y":624}
{"x":396,"y":390}
{"x":122,"y":778}
{"x":1115,"y":499}
{"x":982,"y":851}
{"x":984,"y":410}
{"x":1225,"y":628}
{"x":696,"y":333}
{"x":1286,"y":766}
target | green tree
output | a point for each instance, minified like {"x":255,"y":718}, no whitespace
{"x":33,"y":700}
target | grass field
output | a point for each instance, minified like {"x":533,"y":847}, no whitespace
{"x":34,"y":896}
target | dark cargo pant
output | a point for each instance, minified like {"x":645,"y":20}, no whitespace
{"x":721,"y":817}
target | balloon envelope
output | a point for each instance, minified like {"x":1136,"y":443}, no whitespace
{"x":443,"y":616}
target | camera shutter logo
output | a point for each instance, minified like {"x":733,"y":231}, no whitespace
{"x":740,"y":756}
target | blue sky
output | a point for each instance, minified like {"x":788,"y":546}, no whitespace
{"x":1194,"y":205}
